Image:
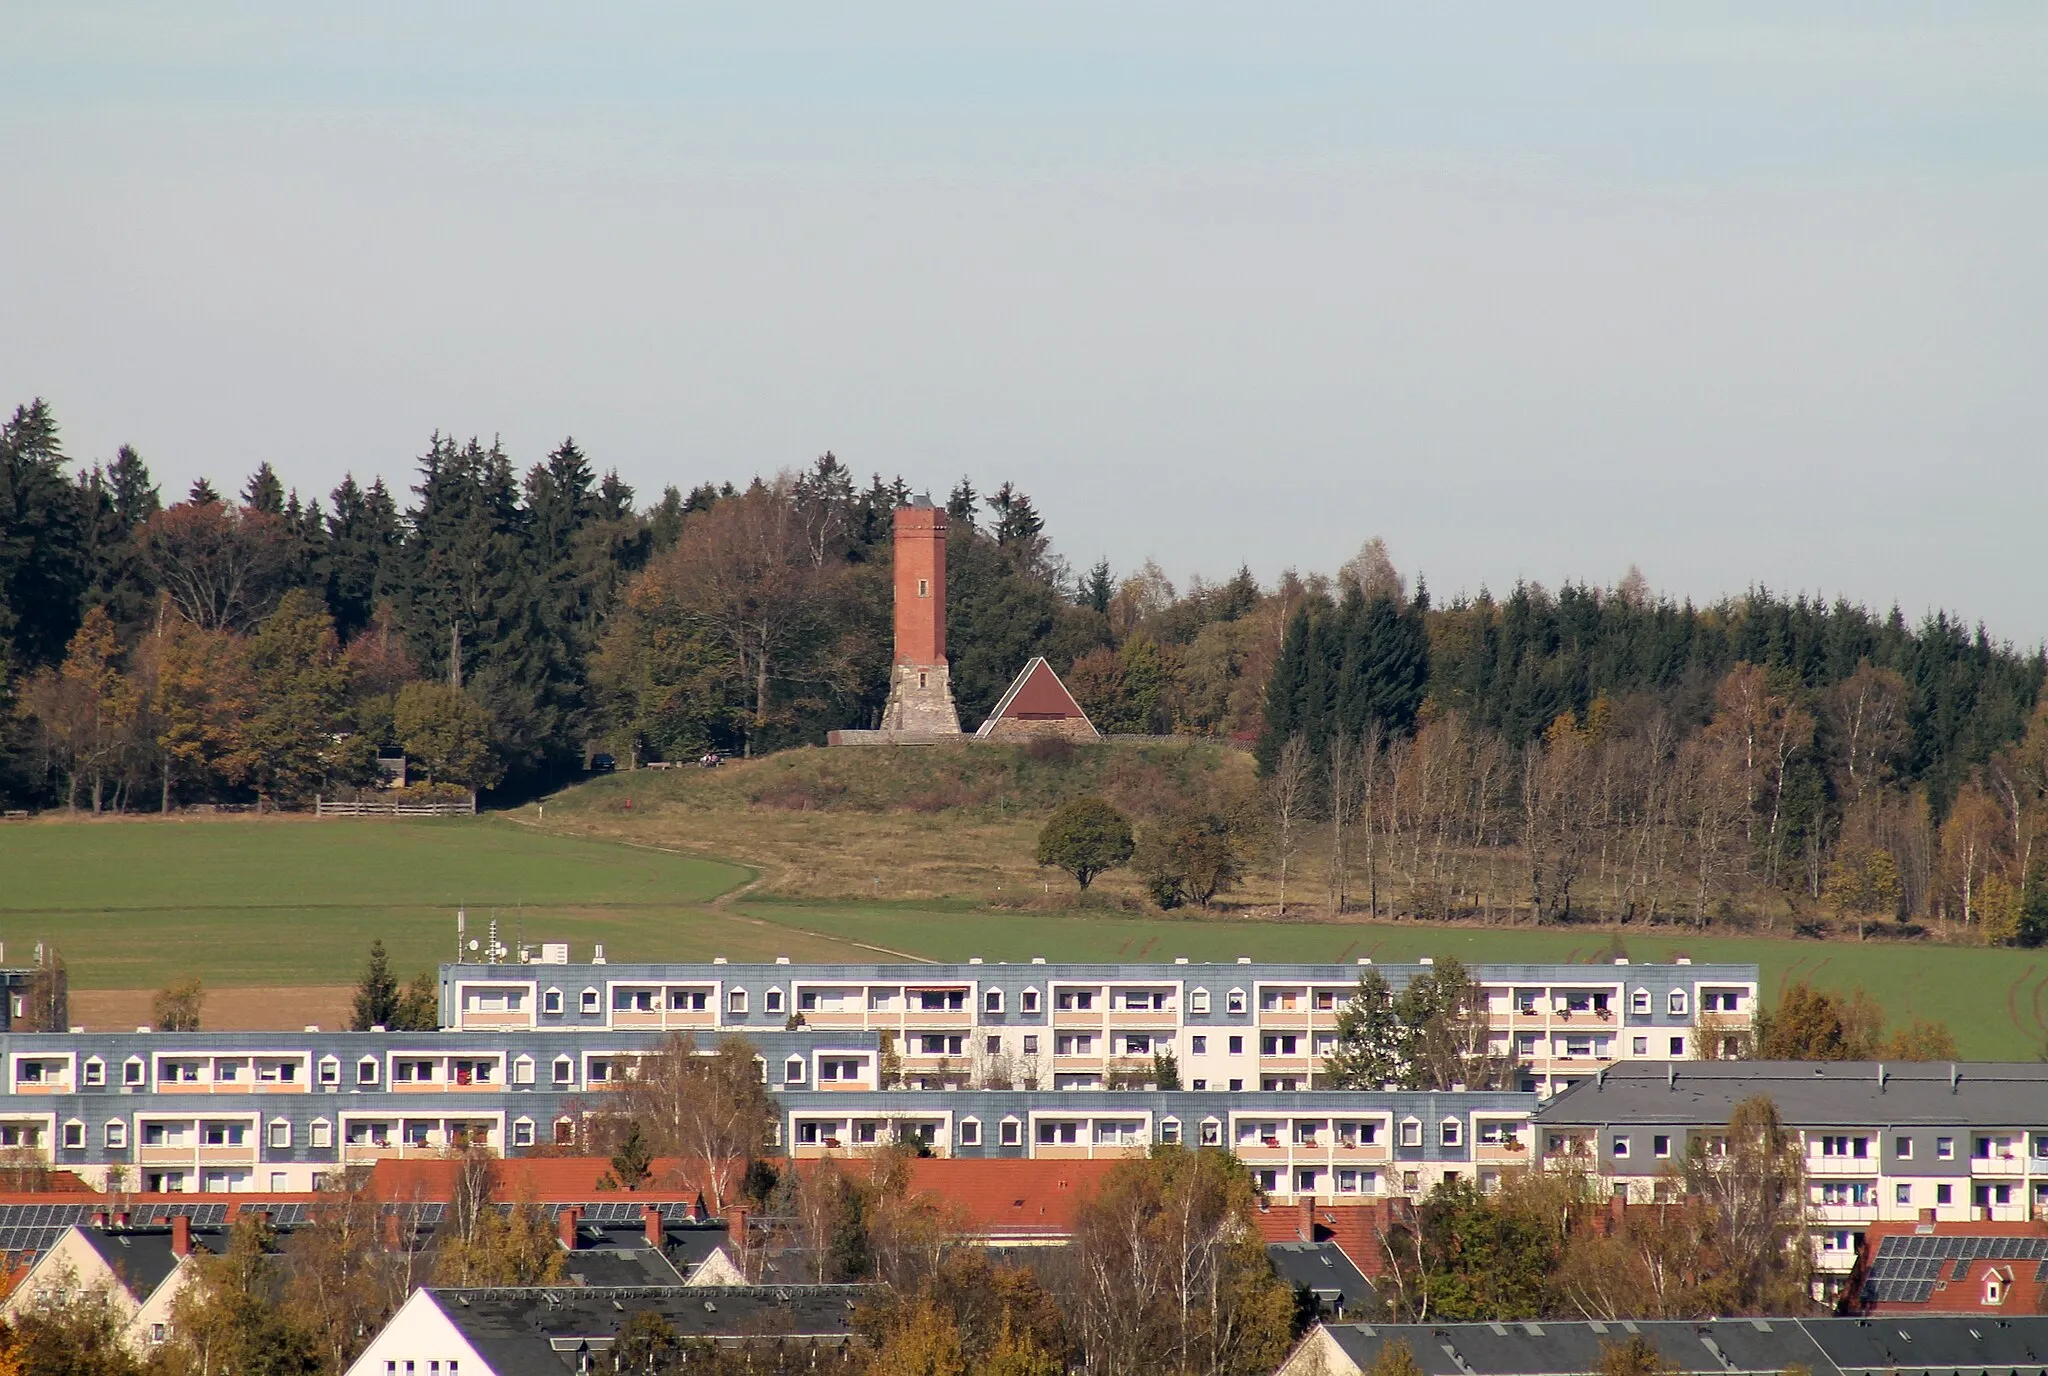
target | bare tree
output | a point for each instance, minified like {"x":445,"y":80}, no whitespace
{"x":713,"y":1109}
{"x":222,"y":565}
{"x":1287,"y":791}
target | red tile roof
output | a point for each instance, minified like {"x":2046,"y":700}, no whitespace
{"x":1953,"y":1293}
{"x":546,"y":1179}
{"x":1355,"y":1228}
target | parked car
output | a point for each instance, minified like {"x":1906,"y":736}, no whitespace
{"x":602,"y":764}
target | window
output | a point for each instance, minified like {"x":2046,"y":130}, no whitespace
{"x":1012,"y":1132}
{"x":1031,"y":1046}
{"x":1198,"y":1083}
{"x":772,"y":1001}
{"x":322,"y":1133}
{"x":1677,"y":1046}
{"x":565,"y":1070}
{"x":366,"y":1072}
{"x":1198,"y":1001}
{"x":1029,"y":1000}
{"x":1279,"y":1044}
{"x":1237,"y":1046}
{"x":132,"y":1071}
{"x":687,"y":1000}
{"x":1169,"y":1130}
{"x":1198,"y":1045}
{"x":1660,"y":1146}
{"x":736,"y":1001}
{"x":992,"y":1045}
{"x":1944,"y":1194}
{"x":1639,"y":1003}
{"x":1075,"y":1000}
{"x":74,"y":1134}
{"x":793,"y":1071}
{"x":992,"y":1001}
{"x":1902,"y":1194}
{"x":1621,"y":1146}
{"x":1212,"y":1133}
{"x":1236,"y":1085}
{"x":1236,"y":1003}
{"x":1411,"y":1132}
{"x":924,"y":587}
{"x":116,"y":1134}
{"x":95,"y":1071}
{"x":280,"y":1134}
{"x":1059,"y":1134}
{"x":590,"y":1002}
{"x":970,"y":1133}
{"x":1640,"y":1046}
{"x":1902,"y":1148}
{"x":551,"y":1001}
{"x":1677,"y":1003}
{"x":1450,"y":1132}
{"x":522,"y":1132}
{"x":1944,"y":1148}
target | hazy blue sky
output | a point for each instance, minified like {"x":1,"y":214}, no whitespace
{"x":1754,"y":293}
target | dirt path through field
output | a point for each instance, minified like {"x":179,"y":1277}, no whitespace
{"x":242,"y":1008}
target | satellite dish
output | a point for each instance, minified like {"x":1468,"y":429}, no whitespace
{"x":472,"y":943}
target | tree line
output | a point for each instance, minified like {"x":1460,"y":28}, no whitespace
{"x":1589,"y":752}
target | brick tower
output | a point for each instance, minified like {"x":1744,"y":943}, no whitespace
{"x":920,"y":685}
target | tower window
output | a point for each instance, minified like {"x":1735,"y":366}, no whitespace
{"x":924,"y":587}
{"x":921,"y":680}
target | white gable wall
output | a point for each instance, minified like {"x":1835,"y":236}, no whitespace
{"x":420,"y":1340}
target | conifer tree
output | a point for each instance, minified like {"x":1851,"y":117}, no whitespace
{"x":376,"y":1002}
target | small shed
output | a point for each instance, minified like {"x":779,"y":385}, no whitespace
{"x":1038,"y":704}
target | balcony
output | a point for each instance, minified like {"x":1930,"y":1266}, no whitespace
{"x":1144,"y":1018}
{"x":1283,"y":1017}
{"x":502,"y":1017}
{"x":166,"y":1154}
{"x":1834,"y":1166}
{"x":917,"y":1018}
{"x":638,"y":1017}
{"x":1356,"y":1153}
{"x":2009,"y":1165}
{"x":1507,"y":1151}
{"x":822,"y":1017}
{"x":242,"y":1155}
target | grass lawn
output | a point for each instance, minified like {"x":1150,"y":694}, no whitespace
{"x":295,"y":902}
{"x":291,"y":901}
{"x":1995,"y":1001}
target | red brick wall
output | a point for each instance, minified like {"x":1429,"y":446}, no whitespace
{"x":920,"y":585}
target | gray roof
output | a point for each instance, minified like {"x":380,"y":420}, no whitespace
{"x":1808,"y":1093}
{"x":540,"y":1331}
{"x":141,"y":1257}
{"x":1718,"y":1347}
{"x":1322,"y":1269}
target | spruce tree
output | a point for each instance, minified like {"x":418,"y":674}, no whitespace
{"x":1371,"y":1050}
{"x":264,"y":492}
{"x":44,"y":564}
{"x":377,"y":995}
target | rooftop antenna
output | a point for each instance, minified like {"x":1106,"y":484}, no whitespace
{"x":461,"y":929}
{"x":491,"y":944}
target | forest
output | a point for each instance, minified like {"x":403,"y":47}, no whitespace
{"x":1539,"y":755}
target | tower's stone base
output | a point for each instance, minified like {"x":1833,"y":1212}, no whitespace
{"x":921,"y":702}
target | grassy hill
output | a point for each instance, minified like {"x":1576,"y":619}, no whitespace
{"x":954,"y":822}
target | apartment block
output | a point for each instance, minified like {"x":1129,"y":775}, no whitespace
{"x":1938,"y":1143}
{"x":1239,"y":1027}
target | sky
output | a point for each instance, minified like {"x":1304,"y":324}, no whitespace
{"x":1743,"y":294}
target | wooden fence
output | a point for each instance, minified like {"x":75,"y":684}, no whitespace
{"x":327,"y":808}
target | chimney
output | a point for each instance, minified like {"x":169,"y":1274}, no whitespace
{"x":181,"y":1235}
{"x":389,"y":1230}
{"x":736,"y":1229}
{"x":650,"y":1218}
{"x":1305,"y":1226}
{"x":565,"y":1226}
